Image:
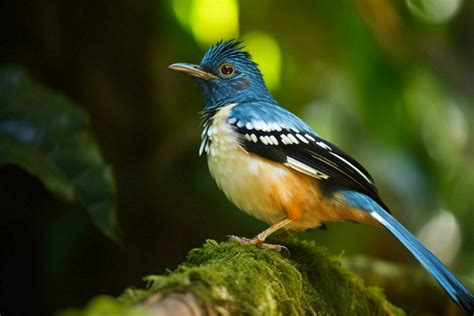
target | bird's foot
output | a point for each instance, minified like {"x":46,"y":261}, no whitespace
{"x":256,"y":241}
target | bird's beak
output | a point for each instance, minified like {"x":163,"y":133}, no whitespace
{"x":192,"y":70}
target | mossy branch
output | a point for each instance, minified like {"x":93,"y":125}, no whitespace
{"x":229,"y":279}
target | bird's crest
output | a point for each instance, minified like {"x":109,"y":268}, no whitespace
{"x":224,"y":50}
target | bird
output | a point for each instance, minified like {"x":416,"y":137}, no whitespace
{"x":273,"y":166}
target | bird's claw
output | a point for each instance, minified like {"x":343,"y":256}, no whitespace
{"x":259,"y":243}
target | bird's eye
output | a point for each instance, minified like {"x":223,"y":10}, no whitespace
{"x":226,"y":70}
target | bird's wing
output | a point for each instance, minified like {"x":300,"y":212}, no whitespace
{"x":304,"y":151}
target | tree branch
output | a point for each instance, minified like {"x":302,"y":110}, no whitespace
{"x":229,"y":279}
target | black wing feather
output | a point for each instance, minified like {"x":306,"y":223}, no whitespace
{"x":318,"y":154}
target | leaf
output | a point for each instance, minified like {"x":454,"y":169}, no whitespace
{"x":47,"y":135}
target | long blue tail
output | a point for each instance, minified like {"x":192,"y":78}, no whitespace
{"x":450,"y":283}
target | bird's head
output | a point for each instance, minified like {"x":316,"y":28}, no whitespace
{"x":226,"y":74}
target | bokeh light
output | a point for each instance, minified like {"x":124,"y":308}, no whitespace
{"x":208,"y":21}
{"x":434,"y":11}
{"x":431,"y":107}
{"x":266,"y":53}
{"x":446,"y":244}
{"x":214,"y":20}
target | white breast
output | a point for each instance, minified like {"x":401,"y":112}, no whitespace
{"x":250,"y":182}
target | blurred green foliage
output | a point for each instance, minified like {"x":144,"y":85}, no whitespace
{"x":48,"y":136}
{"x":390,"y":82}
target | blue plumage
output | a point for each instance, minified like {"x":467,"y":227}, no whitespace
{"x":268,"y":113}
{"x":245,"y":85}
{"x":246,"y":123}
{"x":448,"y":281}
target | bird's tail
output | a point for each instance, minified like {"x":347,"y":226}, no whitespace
{"x":450,"y":283}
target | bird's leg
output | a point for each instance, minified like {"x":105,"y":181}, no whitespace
{"x":270,"y":230}
{"x":259,"y":240}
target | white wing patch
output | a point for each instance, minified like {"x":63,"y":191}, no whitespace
{"x":323,"y":145}
{"x":351,"y":165}
{"x":303,"y":168}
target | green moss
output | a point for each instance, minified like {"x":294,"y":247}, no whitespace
{"x":332,"y":289}
{"x":246,"y":280}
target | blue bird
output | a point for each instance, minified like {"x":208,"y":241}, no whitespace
{"x":275,"y":167}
